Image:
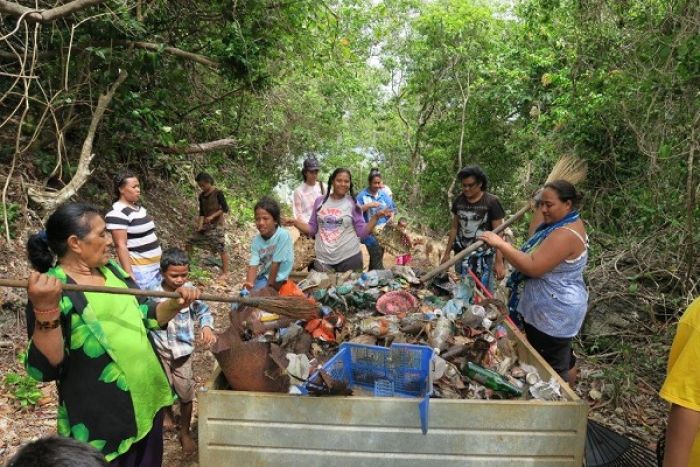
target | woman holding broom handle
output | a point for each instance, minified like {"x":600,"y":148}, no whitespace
{"x":554,"y":298}
{"x":111,"y":386}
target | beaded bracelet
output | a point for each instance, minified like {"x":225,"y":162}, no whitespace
{"x":48,"y":311}
{"x":53,"y":324}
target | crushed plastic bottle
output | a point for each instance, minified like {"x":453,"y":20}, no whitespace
{"x":454,"y":308}
{"x":464,"y":290}
{"x":548,"y":391}
{"x":443,"y":330}
{"x":375,"y":278}
{"x":380,"y":327}
{"x":474,"y":316}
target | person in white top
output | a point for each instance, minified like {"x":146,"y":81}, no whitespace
{"x":306,"y":193}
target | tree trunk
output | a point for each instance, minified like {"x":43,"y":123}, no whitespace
{"x":50,"y":200}
{"x":465,"y":101}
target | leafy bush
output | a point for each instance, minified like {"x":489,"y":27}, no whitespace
{"x":23,"y":388}
{"x":13,"y":213}
{"x":199,"y":275}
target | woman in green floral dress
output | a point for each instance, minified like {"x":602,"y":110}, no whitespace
{"x":96,"y":346}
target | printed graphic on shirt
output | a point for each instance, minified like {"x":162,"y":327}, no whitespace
{"x":266,"y":254}
{"x":475,"y":218}
{"x":473,"y":222}
{"x":330,"y":221}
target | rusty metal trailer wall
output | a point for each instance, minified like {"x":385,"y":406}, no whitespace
{"x":262,"y":429}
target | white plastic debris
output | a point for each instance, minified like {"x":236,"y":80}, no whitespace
{"x":546,"y":391}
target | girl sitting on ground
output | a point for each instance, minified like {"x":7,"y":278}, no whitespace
{"x":271,"y":261}
{"x":272,"y":252}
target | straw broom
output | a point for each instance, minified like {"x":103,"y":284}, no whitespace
{"x":568,"y":167}
{"x":291,"y":307}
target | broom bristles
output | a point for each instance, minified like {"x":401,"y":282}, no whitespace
{"x":569,"y":168}
{"x":291,"y":307}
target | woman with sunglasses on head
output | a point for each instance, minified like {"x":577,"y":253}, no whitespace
{"x":134,"y":233}
{"x":338,"y":225}
{"x":475,"y":211}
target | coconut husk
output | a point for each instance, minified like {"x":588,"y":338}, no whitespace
{"x":393,"y":239}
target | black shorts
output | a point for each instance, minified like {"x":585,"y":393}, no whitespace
{"x":353,"y":263}
{"x":556,"y":351}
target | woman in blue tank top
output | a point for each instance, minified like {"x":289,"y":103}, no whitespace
{"x":554,"y":299}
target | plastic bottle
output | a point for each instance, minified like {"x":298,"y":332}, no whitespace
{"x":243,"y":293}
{"x":443,"y":330}
{"x":474,"y":316}
{"x":384,"y":276}
{"x":413,"y":323}
{"x":490,"y":379}
{"x":375,"y":278}
{"x":368,"y":279}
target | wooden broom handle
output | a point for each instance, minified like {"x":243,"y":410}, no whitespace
{"x":20,"y":283}
{"x":474,"y":246}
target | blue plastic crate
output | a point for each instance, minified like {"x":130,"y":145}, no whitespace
{"x":402,"y":370}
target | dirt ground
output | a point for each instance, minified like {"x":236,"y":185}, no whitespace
{"x":21,"y":425}
{"x":639,"y":414}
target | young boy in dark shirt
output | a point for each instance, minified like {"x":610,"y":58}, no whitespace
{"x":210,"y":230}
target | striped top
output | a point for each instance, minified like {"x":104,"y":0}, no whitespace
{"x":141,"y":241}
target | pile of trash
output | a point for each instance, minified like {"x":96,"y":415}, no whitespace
{"x":474,"y":356}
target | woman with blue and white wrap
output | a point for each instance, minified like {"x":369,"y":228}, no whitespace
{"x":554,"y":299}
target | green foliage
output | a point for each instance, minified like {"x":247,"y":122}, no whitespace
{"x":417,"y":88}
{"x":12,"y":211}
{"x":199,"y":275}
{"x":23,"y":388}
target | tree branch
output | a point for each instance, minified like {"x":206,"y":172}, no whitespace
{"x":45,"y":16}
{"x":49,"y":200}
{"x":211,"y":102}
{"x":201,"y":59}
{"x":198,"y":148}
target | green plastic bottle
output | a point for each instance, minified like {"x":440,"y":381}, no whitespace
{"x":490,"y":379}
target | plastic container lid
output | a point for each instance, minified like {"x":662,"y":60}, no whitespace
{"x":396,"y":302}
